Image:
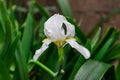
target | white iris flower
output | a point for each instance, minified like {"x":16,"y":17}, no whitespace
{"x":59,"y":31}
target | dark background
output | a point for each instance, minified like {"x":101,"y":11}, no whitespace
{"x":88,"y":12}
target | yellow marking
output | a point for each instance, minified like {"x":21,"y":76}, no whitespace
{"x":46,"y":39}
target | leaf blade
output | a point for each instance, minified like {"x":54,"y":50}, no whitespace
{"x":65,"y":8}
{"x":84,"y":72}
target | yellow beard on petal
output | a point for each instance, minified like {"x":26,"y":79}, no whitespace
{"x":46,"y":39}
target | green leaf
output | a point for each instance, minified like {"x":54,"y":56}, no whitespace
{"x":21,"y":71}
{"x":41,"y":30}
{"x":28,"y":33}
{"x":7,"y":40}
{"x":78,"y":64}
{"x":118,"y":71}
{"x":3,"y":14}
{"x":11,"y":51}
{"x":13,"y":21}
{"x":23,"y":48}
{"x":93,"y":70}
{"x":103,"y":50}
{"x":114,"y":52}
{"x":102,"y":41}
{"x":88,"y":45}
{"x":2,"y":36}
{"x":5,"y":31}
{"x":65,"y":8}
{"x":4,"y":71}
{"x":106,"y":46}
{"x":96,"y":37}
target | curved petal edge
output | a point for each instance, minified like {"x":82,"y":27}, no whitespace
{"x":84,"y":51}
{"x":42,"y":49}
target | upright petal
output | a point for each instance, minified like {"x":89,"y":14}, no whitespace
{"x":70,"y":29}
{"x":53,"y":27}
{"x":84,"y":51}
{"x":38,"y":52}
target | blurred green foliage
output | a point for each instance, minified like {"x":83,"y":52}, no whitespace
{"x":20,"y":39}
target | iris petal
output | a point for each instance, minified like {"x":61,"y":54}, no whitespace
{"x":70,"y":29}
{"x":54,"y":28}
{"x":84,"y":51}
{"x":58,"y":29}
{"x":42,"y":49}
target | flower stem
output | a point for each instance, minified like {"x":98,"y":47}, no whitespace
{"x":61,"y":60}
{"x":45,"y":68}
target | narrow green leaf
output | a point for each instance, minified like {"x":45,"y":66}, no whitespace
{"x":11,"y":51}
{"x":103,"y":50}
{"x":21,"y":71}
{"x":4,"y":71}
{"x":88,"y":45}
{"x":65,"y":7}
{"x":118,"y":71}
{"x":13,"y":21}
{"x":23,"y":48}
{"x":2,"y":36}
{"x":3,"y":14}
{"x":41,"y":30}
{"x":106,"y":46}
{"x":12,"y":16}
{"x":114,"y":52}
{"x":3,"y":22}
{"x":102,"y":41}
{"x":78,"y":64}
{"x":7,"y":41}
{"x":28,"y":33}
{"x":93,"y":70}
{"x":96,"y":37}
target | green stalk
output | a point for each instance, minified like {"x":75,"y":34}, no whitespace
{"x":45,"y":68}
{"x":60,"y":53}
{"x":61,"y":60}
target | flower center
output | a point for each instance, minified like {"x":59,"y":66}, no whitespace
{"x":60,"y":43}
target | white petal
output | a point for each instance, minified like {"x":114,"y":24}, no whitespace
{"x":42,"y":49}
{"x":52,"y":27}
{"x":84,"y":51}
{"x":70,"y":29}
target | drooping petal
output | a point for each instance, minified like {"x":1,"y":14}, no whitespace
{"x":38,"y":52}
{"x":84,"y":51}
